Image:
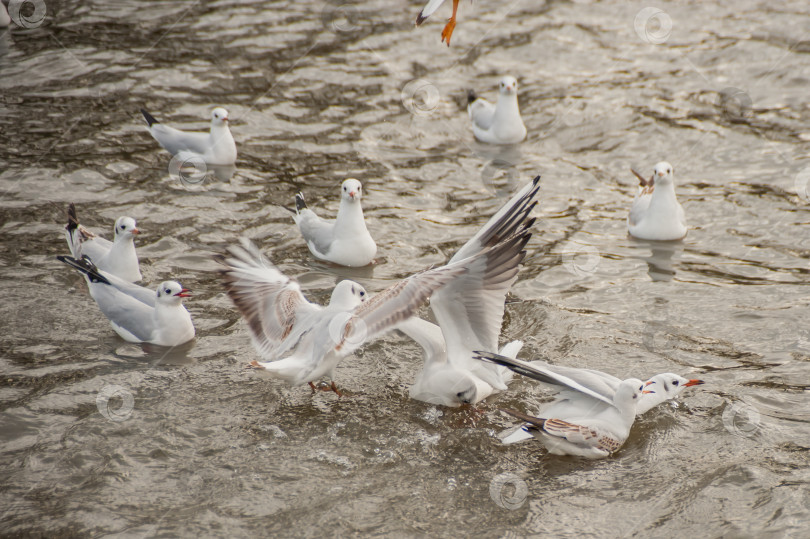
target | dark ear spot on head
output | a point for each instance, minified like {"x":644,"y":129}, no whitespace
{"x":352,"y":289}
{"x":666,"y":387}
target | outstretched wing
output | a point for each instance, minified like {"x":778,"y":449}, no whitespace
{"x":544,"y":375}
{"x":470,"y":309}
{"x":428,"y":10}
{"x":270,"y":302}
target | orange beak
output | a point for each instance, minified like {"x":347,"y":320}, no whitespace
{"x":693,"y":382}
{"x":184,"y":293}
{"x":647,"y":392}
{"x":648,"y":383}
{"x":352,"y":194}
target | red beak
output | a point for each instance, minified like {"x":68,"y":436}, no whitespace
{"x":648,"y":383}
{"x":136,"y":231}
{"x":352,"y":194}
{"x":693,"y":382}
{"x":184,"y":293}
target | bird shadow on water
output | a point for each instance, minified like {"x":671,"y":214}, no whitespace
{"x":156,"y":355}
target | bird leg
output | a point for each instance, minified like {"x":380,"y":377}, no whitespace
{"x":323,"y":386}
{"x":451,"y":24}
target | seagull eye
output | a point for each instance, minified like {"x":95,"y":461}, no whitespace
{"x":168,"y":291}
{"x":675,"y":383}
{"x":362,"y":294}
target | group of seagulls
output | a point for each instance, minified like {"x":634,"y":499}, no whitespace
{"x":301,"y":342}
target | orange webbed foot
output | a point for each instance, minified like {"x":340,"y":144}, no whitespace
{"x":448,"y":30}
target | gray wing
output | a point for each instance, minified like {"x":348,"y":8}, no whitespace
{"x":470,"y":309}
{"x":549,"y":377}
{"x":317,"y":232}
{"x":482,"y":113}
{"x":123,"y":310}
{"x":175,"y":140}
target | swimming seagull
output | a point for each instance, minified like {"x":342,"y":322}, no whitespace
{"x":656,"y":213}
{"x":137,"y":314}
{"x":344,"y":240}
{"x":590,"y":419}
{"x":662,"y":387}
{"x":499,"y":123}
{"x":215,"y":148}
{"x":430,"y":8}
{"x":303,"y":342}
{"x":470,"y":313}
{"x":117,"y":257}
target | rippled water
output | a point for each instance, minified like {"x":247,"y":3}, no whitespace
{"x":190,"y":442}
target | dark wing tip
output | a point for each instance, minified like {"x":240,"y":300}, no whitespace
{"x":73,"y":219}
{"x":149,"y":118}
{"x":642,"y":181}
{"x":536,"y":421}
{"x":86,"y":266}
{"x":300,"y":203}
{"x":472,"y":96}
{"x":420,"y":19}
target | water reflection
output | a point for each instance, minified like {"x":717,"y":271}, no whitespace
{"x":661,"y":260}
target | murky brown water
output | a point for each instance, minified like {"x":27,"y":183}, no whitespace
{"x":193,"y":444}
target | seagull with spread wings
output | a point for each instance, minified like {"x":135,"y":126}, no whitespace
{"x":302,"y":342}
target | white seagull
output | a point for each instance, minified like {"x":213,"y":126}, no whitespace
{"x":591,"y":419}
{"x":661,"y":388}
{"x":499,"y":123}
{"x":215,"y":148}
{"x":303,"y":342}
{"x":344,"y":240}
{"x":470,"y":314}
{"x":136,"y":313}
{"x":656,"y":213}
{"x":117,"y":257}
{"x":430,"y":8}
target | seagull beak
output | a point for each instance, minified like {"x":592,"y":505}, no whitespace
{"x":184,"y":293}
{"x":648,"y":383}
{"x":693,"y":382}
{"x":352,"y":194}
{"x":647,"y":392}
{"x":136,"y":231}
{"x":225,"y":119}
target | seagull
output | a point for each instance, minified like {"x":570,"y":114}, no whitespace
{"x":499,"y":123}
{"x":656,"y":213}
{"x":117,"y":257}
{"x":136,"y":313}
{"x":470,"y":314}
{"x":303,"y":342}
{"x":663,"y":387}
{"x":430,"y":8}
{"x":344,"y":240}
{"x":214,"y":148}
{"x":590,"y":419}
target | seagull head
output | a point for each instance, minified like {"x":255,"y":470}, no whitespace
{"x":219,"y":116}
{"x":670,"y":384}
{"x":348,"y":295}
{"x":663,"y":173}
{"x":125,"y":227}
{"x":351,"y":190}
{"x":171,"y":293}
{"x":508,"y":86}
{"x":628,"y":393}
